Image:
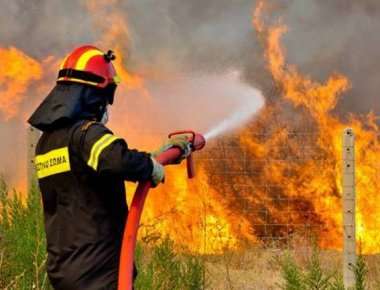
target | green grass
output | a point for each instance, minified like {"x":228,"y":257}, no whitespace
{"x":314,"y":277}
{"x":291,"y":274}
{"x":22,"y":241}
{"x":164,"y":269}
{"x":23,"y":252}
{"x":360,"y":271}
{"x":160,"y":265}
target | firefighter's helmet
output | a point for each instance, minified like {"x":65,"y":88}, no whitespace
{"x":89,"y":65}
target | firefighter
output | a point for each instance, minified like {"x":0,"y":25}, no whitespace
{"x":81,"y":168}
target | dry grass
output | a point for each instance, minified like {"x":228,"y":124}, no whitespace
{"x":251,"y":269}
{"x":259,"y":268}
{"x":22,"y":258}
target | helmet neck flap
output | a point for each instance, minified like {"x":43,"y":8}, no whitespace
{"x":68,"y":103}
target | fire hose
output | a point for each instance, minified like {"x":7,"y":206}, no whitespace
{"x":170,"y":156}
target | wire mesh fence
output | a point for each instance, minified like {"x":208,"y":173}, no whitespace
{"x":275,"y":216}
{"x":266,"y":192}
{"x":283,"y":198}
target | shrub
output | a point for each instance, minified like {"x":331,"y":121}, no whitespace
{"x":360,"y":272}
{"x":165,"y":269}
{"x":315,"y":277}
{"x":291,"y":274}
{"x":310,"y":277}
{"x":23,"y":252}
{"x":22,"y":241}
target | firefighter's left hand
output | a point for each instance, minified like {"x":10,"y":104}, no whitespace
{"x":158,"y":173}
{"x":180,"y":141}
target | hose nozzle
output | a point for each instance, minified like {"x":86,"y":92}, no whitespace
{"x":197,"y":142}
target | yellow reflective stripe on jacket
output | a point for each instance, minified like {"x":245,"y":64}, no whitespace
{"x":53,"y":162}
{"x":98,"y":148}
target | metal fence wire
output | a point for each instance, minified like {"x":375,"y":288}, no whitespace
{"x":245,"y":184}
{"x":268,"y":190}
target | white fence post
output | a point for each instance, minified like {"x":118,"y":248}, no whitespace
{"x":348,"y":185}
{"x":32,"y":139}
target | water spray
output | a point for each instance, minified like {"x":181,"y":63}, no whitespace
{"x":238,"y":118}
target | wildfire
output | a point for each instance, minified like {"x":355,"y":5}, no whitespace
{"x":116,"y":36}
{"x":288,"y":160}
{"x":188,"y":213}
{"x":319,"y":183}
{"x":18,"y":73}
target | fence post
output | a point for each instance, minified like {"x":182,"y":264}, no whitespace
{"x":348,"y":186}
{"x":32,"y":139}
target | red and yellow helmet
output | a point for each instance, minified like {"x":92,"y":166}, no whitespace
{"x":89,"y":65}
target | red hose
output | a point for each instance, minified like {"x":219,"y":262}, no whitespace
{"x":130,"y":233}
{"x":170,"y":156}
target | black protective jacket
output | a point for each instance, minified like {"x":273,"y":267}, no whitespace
{"x":81,"y":169}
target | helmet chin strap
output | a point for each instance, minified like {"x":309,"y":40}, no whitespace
{"x":105,"y":116}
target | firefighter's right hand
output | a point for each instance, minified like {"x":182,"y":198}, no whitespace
{"x":158,"y":173}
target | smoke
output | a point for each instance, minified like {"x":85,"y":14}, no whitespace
{"x":42,"y":27}
{"x":324,"y":37}
{"x":211,"y":36}
{"x":338,"y":36}
{"x":171,"y":41}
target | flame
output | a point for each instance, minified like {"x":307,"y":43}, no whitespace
{"x":294,"y":182}
{"x":187,"y":211}
{"x":116,"y":37}
{"x":319,"y":183}
{"x":18,"y":73}
{"x":181,"y":209}
{"x":210,"y":214}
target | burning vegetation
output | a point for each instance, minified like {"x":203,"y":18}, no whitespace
{"x":312,"y":171}
{"x":276,"y":179}
{"x":19,"y":70}
{"x":281,"y":177}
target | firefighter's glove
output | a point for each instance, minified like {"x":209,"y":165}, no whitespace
{"x":158,"y":173}
{"x":180,"y":141}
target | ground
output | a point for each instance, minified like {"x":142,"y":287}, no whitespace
{"x":259,"y":269}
